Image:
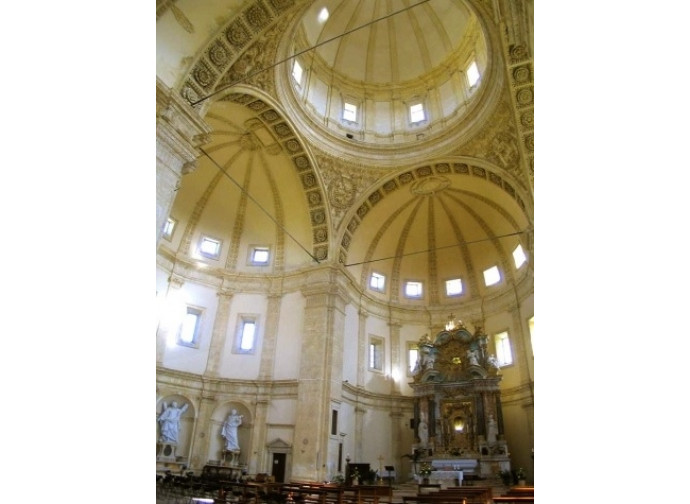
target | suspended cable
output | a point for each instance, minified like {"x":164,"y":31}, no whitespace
{"x":438,"y":248}
{"x":257,"y":204}
{"x":260,"y":70}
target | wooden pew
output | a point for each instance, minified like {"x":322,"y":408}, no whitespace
{"x":521,"y":490}
{"x":513,"y":499}
{"x":372,"y":493}
{"x":453,"y":495}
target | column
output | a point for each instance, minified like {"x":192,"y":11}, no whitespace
{"x":179,"y":133}
{"x":219,"y":332}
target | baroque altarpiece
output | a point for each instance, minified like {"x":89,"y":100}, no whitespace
{"x":458,"y":419}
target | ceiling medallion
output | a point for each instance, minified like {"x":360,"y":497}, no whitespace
{"x":429,"y":186}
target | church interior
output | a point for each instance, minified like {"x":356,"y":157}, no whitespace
{"x":345,"y":239}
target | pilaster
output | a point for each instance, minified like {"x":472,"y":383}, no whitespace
{"x":268,"y":351}
{"x":219,"y":333}
{"x":169,"y":317}
{"x":396,"y":361}
{"x":361,"y":347}
{"x":258,"y":462}
{"x":198,"y":454}
{"x":179,"y":133}
{"x":323,"y":324}
{"x":359,"y":432}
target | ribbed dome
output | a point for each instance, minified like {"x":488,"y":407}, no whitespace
{"x":385,"y":43}
{"x":383,"y":58}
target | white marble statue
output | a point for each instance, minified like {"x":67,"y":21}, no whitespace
{"x":229,"y":431}
{"x":492,"y":430}
{"x":169,"y":421}
{"x":423,"y":432}
{"x":473,"y":356}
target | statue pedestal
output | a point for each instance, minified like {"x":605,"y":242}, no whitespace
{"x":231,"y":458}
{"x":165,"y":452}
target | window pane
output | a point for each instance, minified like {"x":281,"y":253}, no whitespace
{"x":413,"y":289}
{"x":248,"y":328}
{"x":413,"y":354}
{"x":492,"y":276}
{"x":531,"y":333}
{"x":188,"y":331}
{"x":417,"y":112}
{"x":350,"y":112}
{"x":297,"y":72}
{"x":260,"y":255}
{"x":472,"y":74}
{"x":210,"y":247}
{"x":168,"y":228}
{"x":453,"y":287}
{"x":377,"y":281}
{"x":503,"y":352}
{"x":519,"y":256}
{"x":375,"y":355}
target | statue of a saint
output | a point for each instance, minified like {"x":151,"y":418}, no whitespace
{"x":492,"y":430}
{"x":229,"y":431}
{"x":473,"y":356}
{"x":169,"y":421}
{"x":423,"y":431}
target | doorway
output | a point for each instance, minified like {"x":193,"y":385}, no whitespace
{"x":278,"y":467}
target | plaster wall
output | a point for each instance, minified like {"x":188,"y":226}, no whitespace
{"x":289,"y":338}
{"x":185,"y":358}
{"x":244,"y":366}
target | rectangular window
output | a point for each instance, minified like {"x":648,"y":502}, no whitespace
{"x":297,"y":72}
{"x":530,"y":323}
{"x":504,"y":354}
{"x":417,"y":112}
{"x":412,"y":356}
{"x":350,"y":112}
{"x":492,"y":276}
{"x":519,"y":256}
{"x":413,"y":289}
{"x":453,"y":287}
{"x":245,"y":341}
{"x":377,"y":282}
{"x":375,"y":353}
{"x":259,"y":256}
{"x":209,"y":247}
{"x":168,"y":228}
{"x":472,"y":73}
{"x":189,"y":330}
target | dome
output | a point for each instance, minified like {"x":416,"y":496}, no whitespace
{"x":434,"y":204}
{"x":386,"y":74}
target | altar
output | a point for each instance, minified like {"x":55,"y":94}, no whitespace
{"x":458,"y":418}
{"x":445,"y":478}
